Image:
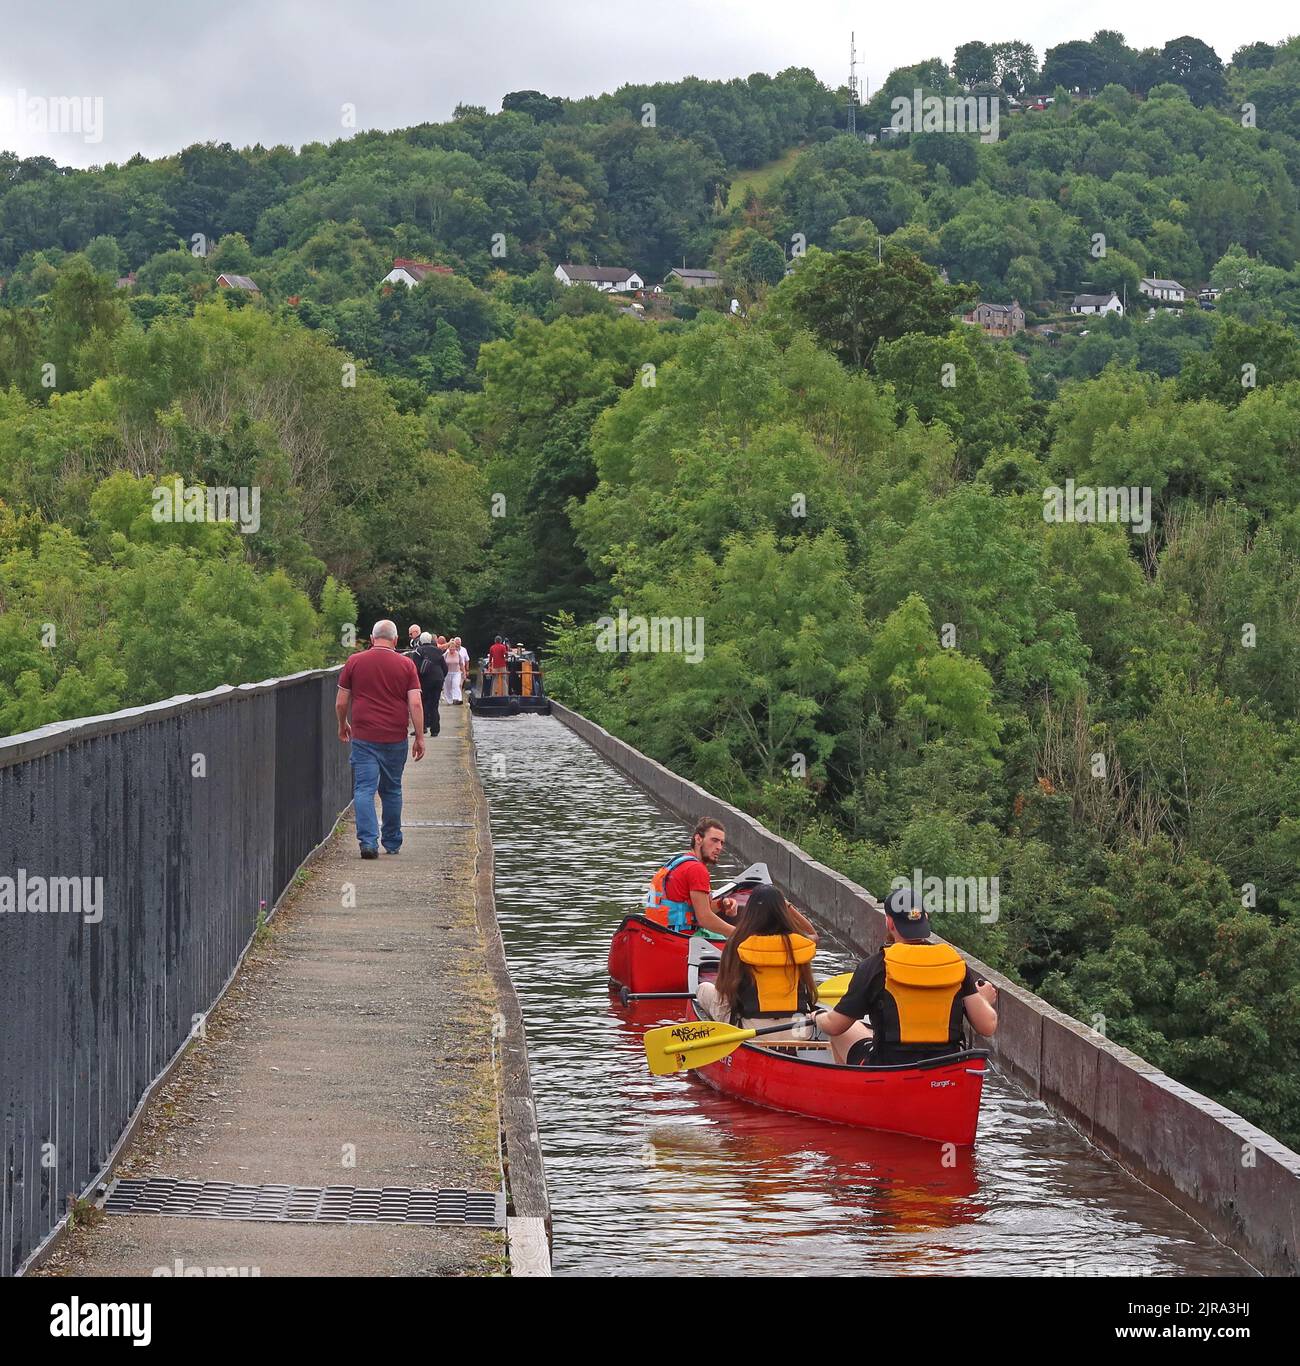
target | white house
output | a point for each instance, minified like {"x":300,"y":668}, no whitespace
{"x":607,"y":279}
{"x":1097,"y":303}
{"x":410,"y":273}
{"x":1165,"y":291}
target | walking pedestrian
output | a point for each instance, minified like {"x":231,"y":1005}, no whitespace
{"x":432,"y":669}
{"x":412,"y":639}
{"x":451,"y":688}
{"x":379,"y":694}
{"x":457,"y":670}
{"x":464,"y":666}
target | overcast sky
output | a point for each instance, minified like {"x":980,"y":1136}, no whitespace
{"x":170,"y":73}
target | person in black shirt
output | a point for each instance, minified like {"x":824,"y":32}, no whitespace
{"x":916,"y":994}
{"x":432,"y":668}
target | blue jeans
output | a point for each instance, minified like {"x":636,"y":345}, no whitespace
{"x":376,"y":766}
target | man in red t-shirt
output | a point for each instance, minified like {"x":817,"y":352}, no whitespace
{"x":497,"y":656}
{"x":689,"y":881}
{"x":382,"y":689}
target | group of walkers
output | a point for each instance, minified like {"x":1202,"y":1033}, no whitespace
{"x":443,"y":666}
{"x":384,"y":698}
{"x":916,"y":994}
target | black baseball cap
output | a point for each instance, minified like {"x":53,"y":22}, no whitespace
{"x":904,"y":908}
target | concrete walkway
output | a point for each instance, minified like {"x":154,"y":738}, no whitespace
{"x":353,"y":1049}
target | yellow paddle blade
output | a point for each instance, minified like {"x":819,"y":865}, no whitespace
{"x":830,"y":991}
{"x":692,"y":1043}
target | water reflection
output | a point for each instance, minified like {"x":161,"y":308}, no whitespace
{"x":645,"y":1172}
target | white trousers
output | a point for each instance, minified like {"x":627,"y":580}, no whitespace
{"x":716,"y":1006}
{"x":451,"y":688}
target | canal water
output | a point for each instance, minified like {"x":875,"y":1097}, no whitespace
{"x":662,"y":1176}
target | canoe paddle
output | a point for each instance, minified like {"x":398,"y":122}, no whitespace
{"x":828,"y":993}
{"x":696,"y":1043}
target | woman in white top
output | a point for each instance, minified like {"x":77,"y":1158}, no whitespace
{"x":462,"y":657}
{"x":451,"y":686}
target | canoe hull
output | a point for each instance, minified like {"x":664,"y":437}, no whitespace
{"x":645,"y":956}
{"x":939,"y":1100}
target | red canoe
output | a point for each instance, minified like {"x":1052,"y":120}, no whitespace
{"x":646,"y":956}
{"x":938,"y":1099}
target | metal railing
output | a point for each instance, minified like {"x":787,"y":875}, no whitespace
{"x":136,"y":851}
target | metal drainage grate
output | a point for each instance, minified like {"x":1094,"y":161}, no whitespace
{"x":304,"y":1204}
{"x":450,"y":825}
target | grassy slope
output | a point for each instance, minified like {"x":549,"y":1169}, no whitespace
{"x":761,"y":177}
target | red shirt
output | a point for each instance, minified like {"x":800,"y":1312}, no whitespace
{"x":688,"y":877}
{"x":497,"y":655}
{"x":379,"y":680}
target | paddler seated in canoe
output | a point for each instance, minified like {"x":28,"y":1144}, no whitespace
{"x":679,"y":895}
{"x":765,"y":974}
{"x":916,"y":994}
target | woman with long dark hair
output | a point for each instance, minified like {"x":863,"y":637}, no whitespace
{"x":765,"y":976}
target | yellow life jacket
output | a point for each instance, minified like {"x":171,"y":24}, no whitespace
{"x":773,"y":988}
{"x":526,"y":678}
{"x":923,"y":981}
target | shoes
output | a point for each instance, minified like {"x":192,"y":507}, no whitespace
{"x":370,"y":852}
{"x":392,"y":851}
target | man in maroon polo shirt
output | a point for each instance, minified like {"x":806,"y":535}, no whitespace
{"x":382,"y":688}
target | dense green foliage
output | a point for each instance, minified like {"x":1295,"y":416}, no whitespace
{"x":906,"y":664}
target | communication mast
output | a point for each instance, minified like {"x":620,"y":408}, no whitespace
{"x":853,"y":84}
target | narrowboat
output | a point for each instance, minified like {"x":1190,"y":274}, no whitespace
{"x":514,"y":692}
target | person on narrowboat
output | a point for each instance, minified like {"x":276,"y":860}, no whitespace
{"x":680,"y":892}
{"x":916,"y":994}
{"x":765,"y":976}
{"x":494,"y":683}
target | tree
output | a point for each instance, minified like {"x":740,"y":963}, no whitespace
{"x":1240,"y":359}
{"x":1075,"y":65}
{"x":540,"y":108}
{"x":974,"y":64}
{"x":976,"y":387}
{"x":757,"y":259}
{"x":955,"y":153}
{"x":1254,"y":57}
{"x":1196,"y":67}
{"x":1016,"y":66}
{"x":851,"y":303}
{"x":1116,"y":62}
{"x":984,"y":574}
{"x":83,"y":306}
{"x":106,"y":256}
{"x":782,"y":659}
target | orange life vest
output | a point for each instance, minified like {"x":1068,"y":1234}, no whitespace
{"x":923,"y":982}
{"x":773,"y":985}
{"x":676,"y":915}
